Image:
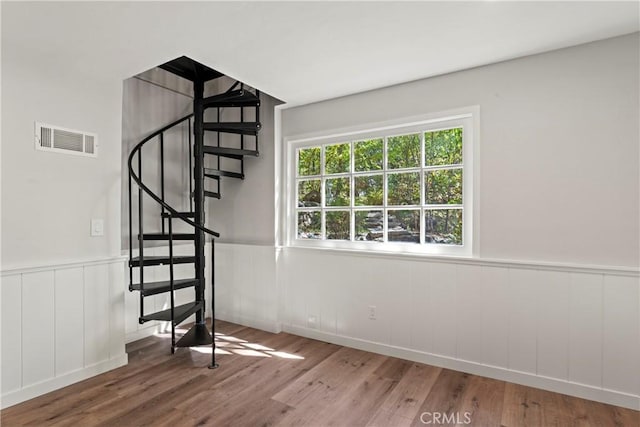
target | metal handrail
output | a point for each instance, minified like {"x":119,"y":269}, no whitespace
{"x":138,"y":181}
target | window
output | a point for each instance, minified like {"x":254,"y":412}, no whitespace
{"x":402,"y":188}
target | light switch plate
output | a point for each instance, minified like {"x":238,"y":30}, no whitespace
{"x":97,"y":227}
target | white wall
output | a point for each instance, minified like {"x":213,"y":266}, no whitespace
{"x":559,"y":148}
{"x":553,"y":299}
{"x":53,"y":270}
{"x":49,"y":199}
{"x":559,"y":186}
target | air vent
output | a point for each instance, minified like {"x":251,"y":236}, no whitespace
{"x":61,"y":140}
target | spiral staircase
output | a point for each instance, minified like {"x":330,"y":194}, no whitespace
{"x":239,"y":99}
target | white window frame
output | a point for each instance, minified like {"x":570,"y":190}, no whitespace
{"x":467,"y":118}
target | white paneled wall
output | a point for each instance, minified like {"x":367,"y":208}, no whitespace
{"x":60,"y":324}
{"x":568,"y":329}
{"x":246,"y":290}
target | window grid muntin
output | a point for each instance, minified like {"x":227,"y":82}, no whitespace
{"x":385,"y":172}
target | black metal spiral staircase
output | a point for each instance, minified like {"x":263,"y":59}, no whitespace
{"x":237,"y":98}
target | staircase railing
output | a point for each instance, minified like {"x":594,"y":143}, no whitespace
{"x":138,"y":181}
{"x":167,"y":210}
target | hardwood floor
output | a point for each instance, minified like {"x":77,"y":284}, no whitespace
{"x":281,"y":379}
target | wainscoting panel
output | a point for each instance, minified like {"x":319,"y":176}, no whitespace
{"x":443,"y":309}
{"x":69,"y":319}
{"x":38,"y":320}
{"x":621,"y":303}
{"x":522,"y":309}
{"x":553,"y":324}
{"x":494,"y":318}
{"x":585,"y":329}
{"x":60,"y":324}
{"x":469,"y":311}
{"x":11,"y":333}
{"x":246,"y":290}
{"x":570,"y":329}
{"x":96,"y":314}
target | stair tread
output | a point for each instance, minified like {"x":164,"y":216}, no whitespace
{"x":245,"y":128}
{"x":212,"y":194}
{"x":215,"y":173}
{"x":165,"y":236}
{"x":236,"y":98}
{"x":224,"y":151}
{"x":180,"y":312}
{"x":153,"y":288}
{"x":161,"y":260}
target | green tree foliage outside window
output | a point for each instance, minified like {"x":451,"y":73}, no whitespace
{"x":338,"y":225}
{"x":443,"y":187}
{"x":309,"y":194}
{"x":443,"y":226}
{"x":443,"y":147}
{"x":309,"y":161}
{"x":368,"y":190}
{"x":404,"y":189}
{"x":338,"y":192}
{"x":337,"y":158}
{"x":403,"y":151}
{"x":441,"y":169}
{"x":368,"y":155}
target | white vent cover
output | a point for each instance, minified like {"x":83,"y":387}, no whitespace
{"x":62,"y":140}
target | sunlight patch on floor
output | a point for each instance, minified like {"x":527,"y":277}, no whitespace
{"x":285,"y":355}
{"x":207,"y":350}
{"x":249,"y":352}
{"x":226,"y":344}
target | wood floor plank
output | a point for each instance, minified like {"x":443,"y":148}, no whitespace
{"x":482,"y":401}
{"x":316,"y":395}
{"x":527,"y":406}
{"x":269,"y":379}
{"x":412,"y":390}
{"x":584,"y":412}
{"x":387,"y":418}
{"x":337,"y":372}
{"x":151,"y":410}
{"x":356,"y":407}
{"x":231,"y":394}
{"x":445,"y":396}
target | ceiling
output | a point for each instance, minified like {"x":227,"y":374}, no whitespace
{"x":302,"y":52}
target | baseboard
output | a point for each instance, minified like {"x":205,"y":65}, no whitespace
{"x":35,"y":390}
{"x":142,"y":333}
{"x":264,"y":325}
{"x":552,"y":384}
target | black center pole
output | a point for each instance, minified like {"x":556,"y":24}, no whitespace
{"x":198,"y":193}
{"x":214,"y":364}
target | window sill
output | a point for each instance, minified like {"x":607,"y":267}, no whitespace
{"x":471,"y":260}
{"x":387,"y":250}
